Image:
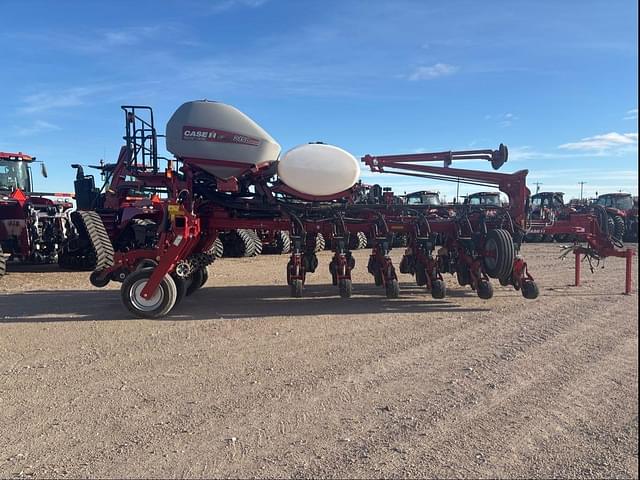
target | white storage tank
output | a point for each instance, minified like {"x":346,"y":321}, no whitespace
{"x":318,"y":169}
{"x":213,"y":134}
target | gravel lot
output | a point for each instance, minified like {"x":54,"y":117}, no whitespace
{"x":242,"y":381}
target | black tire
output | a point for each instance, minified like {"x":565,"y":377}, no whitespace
{"x":196,"y":281}
{"x":463,"y":275}
{"x":438,"y":289}
{"x":358,"y":241}
{"x":619,"y":227}
{"x":345,"y":287}
{"x":319,"y":243}
{"x":3,"y":264}
{"x":296,"y":288}
{"x":283,"y":242}
{"x":530,"y":289}
{"x":182,"y":284}
{"x":485,"y":289}
{"x":362,"y":240}
{"x":377,"y":278}
{"x":96,"y":281}
{"x":217,"y":249}
{"x":241,"y":243}
{"x":421,"y":276}
{"x":205,"y":276}
{"x":500,"y":242}
{"x":392,"y":289}
{"x":162,"y":302}
{"x":99,"y":250}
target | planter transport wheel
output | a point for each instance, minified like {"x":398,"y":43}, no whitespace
{"x":160,"y":303}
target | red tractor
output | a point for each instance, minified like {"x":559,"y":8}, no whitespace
{"x":32,"y":227}
{"x":624,"y":213}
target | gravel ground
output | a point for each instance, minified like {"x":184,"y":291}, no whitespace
{"x":242,"y":381}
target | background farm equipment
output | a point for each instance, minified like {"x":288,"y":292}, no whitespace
{"x":32,"y":227}
{"x":622,"y":208}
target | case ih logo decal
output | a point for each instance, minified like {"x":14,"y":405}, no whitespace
{"x":211,"y":135}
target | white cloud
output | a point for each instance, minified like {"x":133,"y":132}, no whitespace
{"x":631,"y":114}
{"x":612,"y":141}
{"x":224,"y":5}
{"x":39,"y":126}
{"x":433,"y":71}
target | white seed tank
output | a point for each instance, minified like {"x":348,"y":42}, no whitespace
{"x":210,"y":132}
{"x":224,"y":142}
{"x":318,"y":169}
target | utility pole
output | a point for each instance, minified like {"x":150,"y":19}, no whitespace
{"x":537,"y":184}
{"x":581,"y":185}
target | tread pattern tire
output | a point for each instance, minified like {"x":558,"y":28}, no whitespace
{"x":319,"y":244}
{"x":98,"y":253}
{"x":619,"y":227}
{"x":502,"y":265}
{"x":3,"y":264}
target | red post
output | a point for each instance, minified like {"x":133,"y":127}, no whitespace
{"x":577,"y":282}
{"x":628,"y":279}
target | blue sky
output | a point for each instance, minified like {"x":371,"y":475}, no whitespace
{"x":555,"y":81}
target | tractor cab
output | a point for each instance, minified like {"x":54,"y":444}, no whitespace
{"x":15,"y":172}
{"x":619,"y":201}
{"x":484,"y":199}
{"x":547,"y":200}
{"x":423,"y":197}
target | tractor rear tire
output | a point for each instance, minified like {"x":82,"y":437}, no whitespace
{"x":619,"y":227}
{"x":500,"y":242}
{"x":320,"y":243}
{"x":157,"y":306}
{"x":97,"y":252}
{"x":283,"y":242}
{"x":217,"y":249}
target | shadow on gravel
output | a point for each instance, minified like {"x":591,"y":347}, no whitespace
{"x":211,"y":303}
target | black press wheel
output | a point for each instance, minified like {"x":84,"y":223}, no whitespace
{"x":344,"y":285}
{"x":438,"y":289}
{"x":296,"y":288}
{"x":182,"y":284}
{"x":421,"y":276}
{"x":485,"y":289}
{"x":392,"y":289}
{"x":160,"y":303}
{"x":98,"y":282}
{"x":530,"y":289}
{"x":195,"y":281}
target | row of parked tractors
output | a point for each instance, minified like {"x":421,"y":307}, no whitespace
{"x":157,"y":223}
